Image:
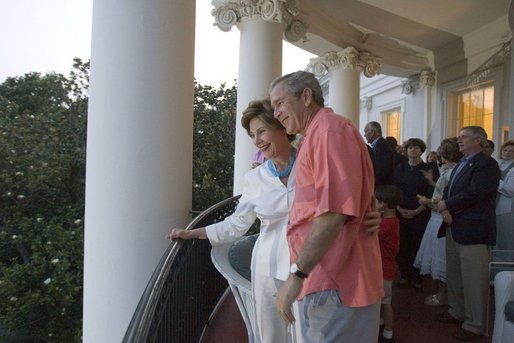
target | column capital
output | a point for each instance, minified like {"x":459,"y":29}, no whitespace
{"x":228,"y":13}
{"x":348,"y":58}
{"x":427,"y":78}
{"x":370,"y":64}
{"x":367,"y":103}
{"x":409,"y":85}
{"x":424,"y":79}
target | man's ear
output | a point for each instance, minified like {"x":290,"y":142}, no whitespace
{"x":307,"y":96}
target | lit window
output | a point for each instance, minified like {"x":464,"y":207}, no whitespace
{"x":391,"y":123}
{"x":475,"y":107}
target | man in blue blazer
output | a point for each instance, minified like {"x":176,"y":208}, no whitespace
{"x":468,"y":206}
{"x":383,"y":157}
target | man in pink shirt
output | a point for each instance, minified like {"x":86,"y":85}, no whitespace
{"x":336,"y":274}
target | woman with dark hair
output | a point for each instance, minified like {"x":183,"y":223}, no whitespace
{"x":393,"y":144}
{"x":431,"y":257}
{"x":409,"y":176}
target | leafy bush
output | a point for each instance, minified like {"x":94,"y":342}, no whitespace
{"x":42,"y":171}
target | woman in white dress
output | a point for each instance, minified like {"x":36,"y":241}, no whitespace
{"x":431,"y":256}
{"x":268,"y":194}
{"x":505,"y":205}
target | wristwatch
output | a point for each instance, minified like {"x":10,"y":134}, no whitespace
{"x":294,"y":270}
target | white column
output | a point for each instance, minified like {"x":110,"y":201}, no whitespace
{"x":139,"y":152}
{"x":426,"y":83}
{"x":344,"y":69}
{"x":344,"y":92}
{"x":261,"y":26}
{"x":260,"y":61}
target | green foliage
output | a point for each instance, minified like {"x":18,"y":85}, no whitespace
{"x":213,"y":144}
{"x":42,"y":171}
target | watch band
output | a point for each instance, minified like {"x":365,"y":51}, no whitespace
{"x":294,"y":270}
{"x":301,"y":274}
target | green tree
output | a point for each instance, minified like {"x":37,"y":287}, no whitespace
{"x":213,"y":144}
{"x":42,"y":165}
{"x":42,"y":170}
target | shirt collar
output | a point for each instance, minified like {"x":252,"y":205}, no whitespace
{"x":468,"y":158}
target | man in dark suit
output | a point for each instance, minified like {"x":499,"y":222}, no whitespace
{"x":468,"y":206}
{"x":383,"y":158}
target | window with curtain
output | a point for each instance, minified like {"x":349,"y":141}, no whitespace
{"x":474,"y":107}
{"x":391,"y":123}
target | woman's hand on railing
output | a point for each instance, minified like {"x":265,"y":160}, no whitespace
{"x":199,"y":233}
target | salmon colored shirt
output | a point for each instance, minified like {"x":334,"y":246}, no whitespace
{"x":334,"y":173}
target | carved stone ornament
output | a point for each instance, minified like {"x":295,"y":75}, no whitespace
{"x":348,"y":58}
{"x":228,"y":13}
{"x":295,"y":31}
{"x":369,"y":64}
{"x":367,"y":103}
{"x":317,"y":66}
{"x":409,"y":86}
{"x":427,"y":78}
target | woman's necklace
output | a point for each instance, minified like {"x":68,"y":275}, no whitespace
{"x":287,"y":170}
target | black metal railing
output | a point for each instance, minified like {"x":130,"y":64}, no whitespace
{"x":183,"y":290}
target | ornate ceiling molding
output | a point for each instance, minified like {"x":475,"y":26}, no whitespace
{"x":228,"y":13}
{"x":348,"y":58}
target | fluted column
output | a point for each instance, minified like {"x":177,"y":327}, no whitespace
{"x":262,"y":25}
{"x":344,"y":69}
{"x":139,"y":152}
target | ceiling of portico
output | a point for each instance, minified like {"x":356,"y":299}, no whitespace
{"x":408,"y":35}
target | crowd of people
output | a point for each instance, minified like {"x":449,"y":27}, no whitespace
{"x":456,"y":210}
{"x":343,"y":222}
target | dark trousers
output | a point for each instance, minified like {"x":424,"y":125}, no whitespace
{"x":411,"y":233}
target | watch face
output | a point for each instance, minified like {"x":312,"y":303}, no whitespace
{"x":294,"y":270}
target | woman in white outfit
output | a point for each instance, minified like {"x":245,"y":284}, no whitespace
{"x":268,"y":194}
{"x":431,"y":256}
{"x":505,"y":205}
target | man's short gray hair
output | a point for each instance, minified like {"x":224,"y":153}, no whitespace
{"x":477,"y":132}
{"x":375,"y":126}
{"x":296,"y":82}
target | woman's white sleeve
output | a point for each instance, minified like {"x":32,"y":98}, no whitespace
{"x":507,"y":187}
{"x":238,"y":223}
